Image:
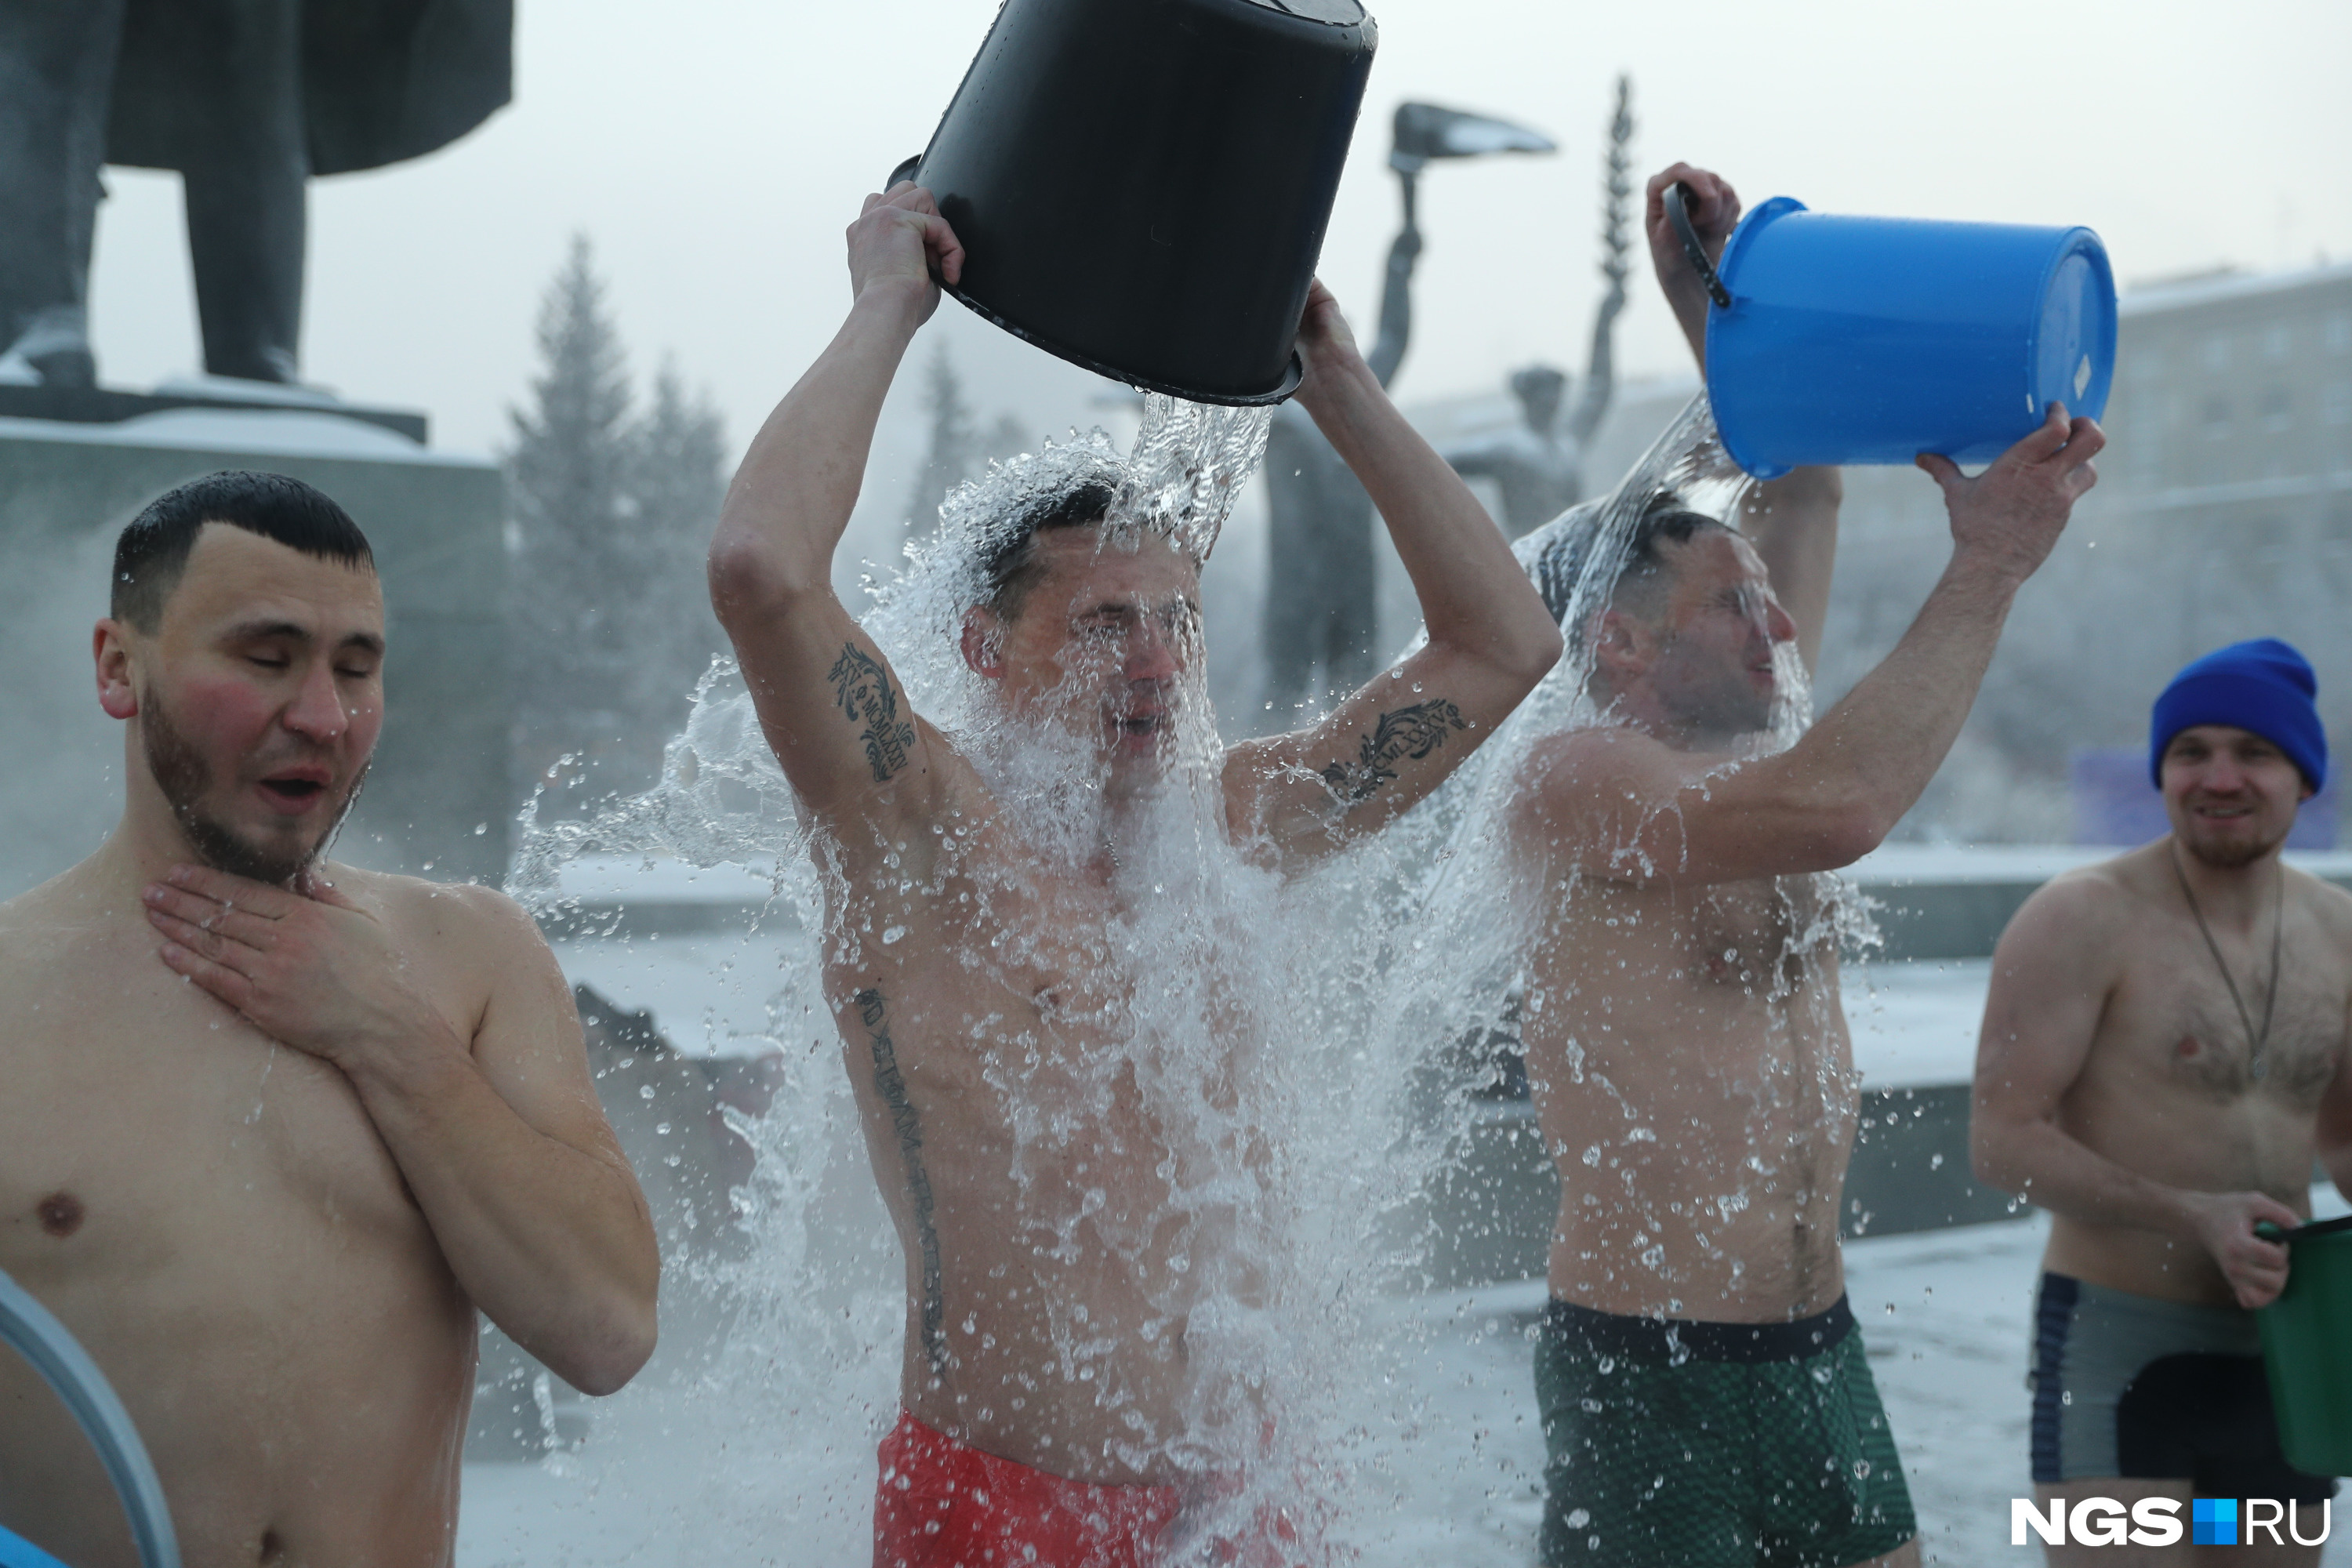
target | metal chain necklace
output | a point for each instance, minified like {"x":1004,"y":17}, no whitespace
{"x":2257,"y":1066}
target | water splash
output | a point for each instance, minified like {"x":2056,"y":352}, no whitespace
{"x":1784,"y":968}
{"x":1189,"y":463}
{"x":1216,"y":1112}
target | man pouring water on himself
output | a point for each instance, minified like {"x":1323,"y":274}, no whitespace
{"x":1703,"y":1394}
{"x":2164,"y":1056}
{"x":976,"y":954}
{"x":275,"y":1129}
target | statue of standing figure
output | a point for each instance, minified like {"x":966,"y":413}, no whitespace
{"x":248,"y":99}
{"x":1539,"y":466}
{"x":1324,"y":617}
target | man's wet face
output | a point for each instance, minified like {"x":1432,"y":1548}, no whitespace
{"x":1713,"y":673}
{"x":261,"y":697}
{"x":1102,"y":642}
{"x":2230,"y":794}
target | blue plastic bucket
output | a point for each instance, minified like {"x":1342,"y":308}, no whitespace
{"x":1869,"y":340}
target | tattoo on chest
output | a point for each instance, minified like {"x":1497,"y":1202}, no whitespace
{"x":1405,"y":733}
{"x":892,"y":1087}
{"x":861,"y":687}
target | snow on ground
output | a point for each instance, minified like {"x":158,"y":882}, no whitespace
{"x":296,"y":432}
{"x":1945,"y":1315}
{"x":711,"y":995}
{"x":1914,"y":1024}
{"x":1901,"y":864}
{"x":1454,"y":1444}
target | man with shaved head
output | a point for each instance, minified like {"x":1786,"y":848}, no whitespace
{"x":275,"y":1129}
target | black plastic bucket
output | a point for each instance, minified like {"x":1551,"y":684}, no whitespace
{"x":1141,"y":186}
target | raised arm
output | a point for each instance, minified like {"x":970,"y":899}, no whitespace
{"x":1600,"y":362}
{"x":1634,"y":809}
{"x":1396,"y":296}
{"x":2052,"y":976}
{"x":1490,"y":638}
{"x":832,"y":707}
{"x":1791,"y":520}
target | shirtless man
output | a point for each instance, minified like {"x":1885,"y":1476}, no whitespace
{"x":275,"y":1128}
{"x":1684,"y":1036}
{"x":2164,"y":1055}
{"x":1047,"y":1378}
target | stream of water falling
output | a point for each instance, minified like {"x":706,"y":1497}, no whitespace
{"x":1233,"y":1022}
{"x":1283,"y":1041}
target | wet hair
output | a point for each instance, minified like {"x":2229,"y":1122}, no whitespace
{"x":153,"y":551}
{"x":1563,"y":560}
{"x":1009,"y":565}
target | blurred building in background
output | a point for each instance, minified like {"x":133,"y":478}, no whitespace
{"x":2223,"y":511}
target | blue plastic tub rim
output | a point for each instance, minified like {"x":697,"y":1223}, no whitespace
{"x":2084,"y":242}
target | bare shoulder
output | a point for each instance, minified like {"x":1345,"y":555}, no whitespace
{"x":43,"y":925}
{"x":2087,"y":912}
{"x":476,"y":938}
{"x":1610,"y":760}
{"x":436,"y":913}
{"x":2330,"y":904}
{"x":1583,"y":781}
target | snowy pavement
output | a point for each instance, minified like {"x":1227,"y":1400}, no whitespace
{"x":1448,"y":1451}
{"x":1945,"y":1315}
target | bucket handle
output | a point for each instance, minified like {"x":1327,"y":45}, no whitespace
{"x":1679,"y":214}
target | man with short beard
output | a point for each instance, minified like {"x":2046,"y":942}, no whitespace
{"x":980,"y":963}
{"x":1705,"y":1398}
{"x":2164,"y":1056}
{"x":274,"y":1129}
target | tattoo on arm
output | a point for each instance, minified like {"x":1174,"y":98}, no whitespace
{"x":861,"y":687}
{"x":892,"y":1087}
{"x":1413,"y":733}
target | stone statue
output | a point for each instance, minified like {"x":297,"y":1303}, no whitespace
{"x":1321,"y":608}
{"x":246,"y":99}
{"x":1539,"y":466}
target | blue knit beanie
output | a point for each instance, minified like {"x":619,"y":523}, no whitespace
{"x":2264,"y":686}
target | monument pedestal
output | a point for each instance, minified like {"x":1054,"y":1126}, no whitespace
{"x":437,"y":800}
{"x":111,"y":405}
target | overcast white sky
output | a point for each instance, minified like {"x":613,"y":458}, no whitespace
{"x":714,"y":149}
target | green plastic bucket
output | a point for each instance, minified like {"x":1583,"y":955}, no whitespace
{"x":2307,"y":1348}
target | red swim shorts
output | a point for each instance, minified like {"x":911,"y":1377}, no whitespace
{"x":943,"y":1504}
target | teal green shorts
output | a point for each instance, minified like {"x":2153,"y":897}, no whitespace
{"x":1675,"y":1444}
